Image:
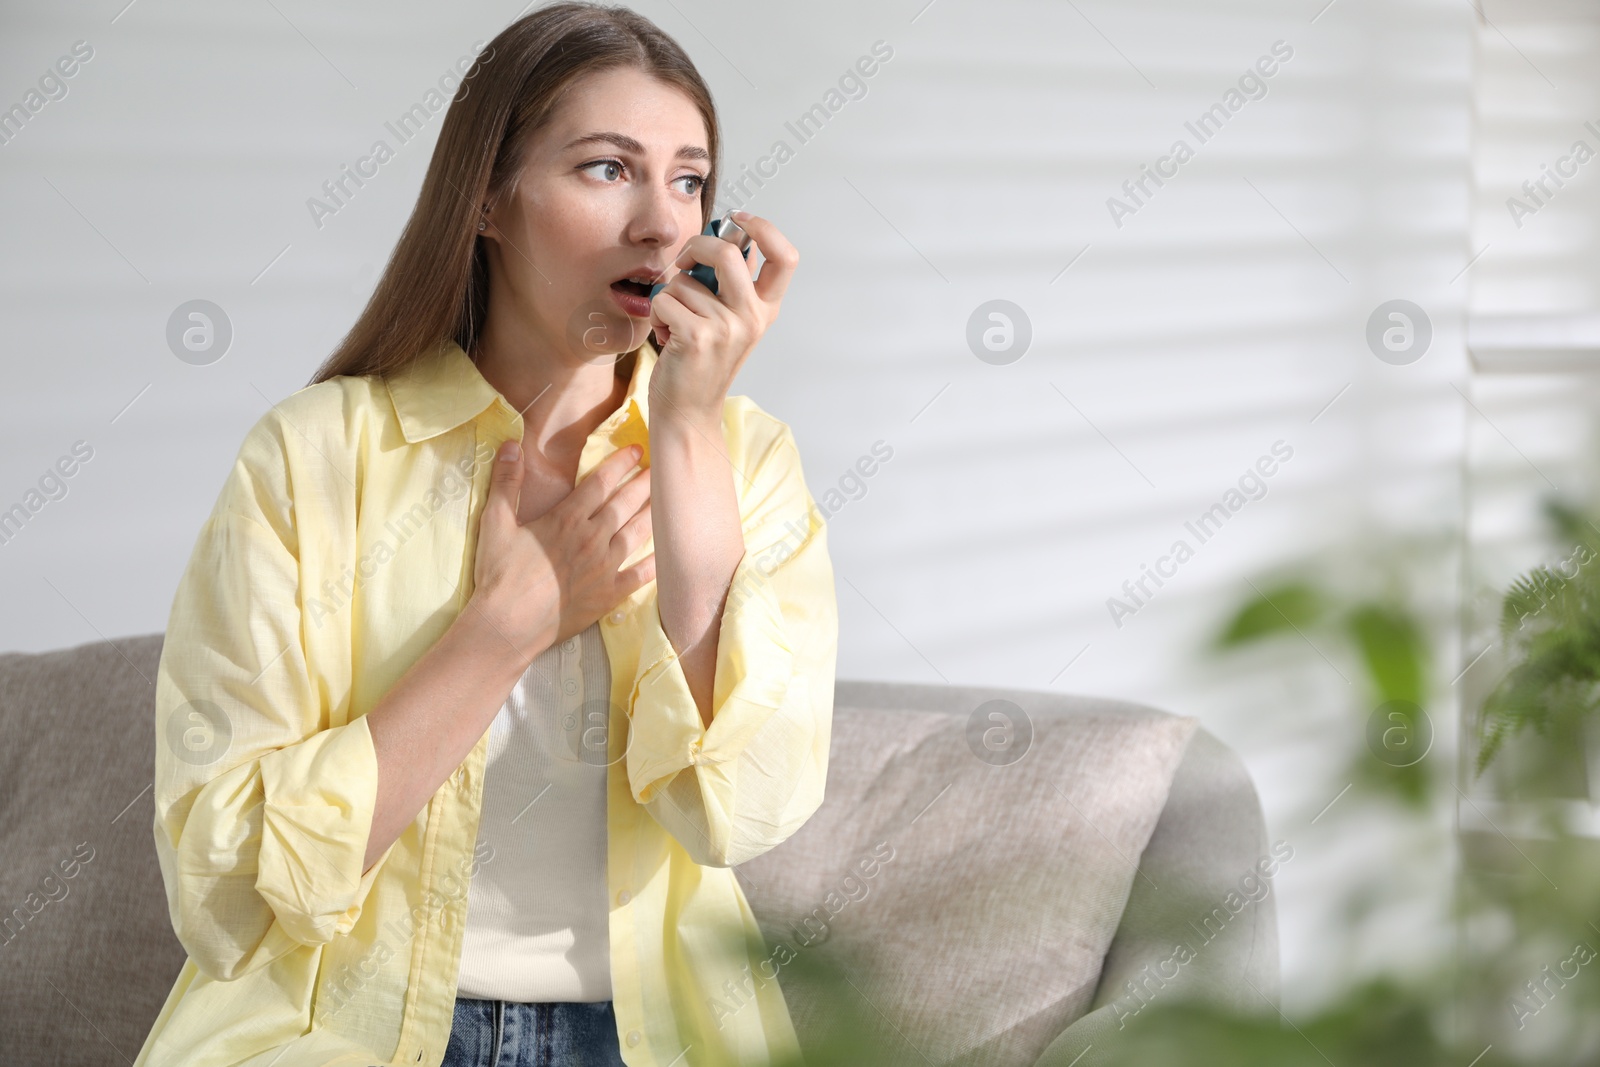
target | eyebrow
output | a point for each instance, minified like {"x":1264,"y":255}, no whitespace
{"x":629,"y":144}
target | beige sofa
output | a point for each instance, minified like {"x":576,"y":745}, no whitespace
{"x":971,"y":877}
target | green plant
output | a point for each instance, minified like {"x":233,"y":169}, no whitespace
{"x":1550,"y":622}
{"x":1381,"y":632}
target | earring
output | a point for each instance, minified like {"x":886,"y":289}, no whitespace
{"x":482,"y":225}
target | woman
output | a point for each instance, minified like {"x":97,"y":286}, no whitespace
{"x":465,"y":718}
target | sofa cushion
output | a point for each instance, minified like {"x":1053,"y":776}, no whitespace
{"x":1207,"y":911}
{"x":952,"y":906}
{"x":87,"y":952}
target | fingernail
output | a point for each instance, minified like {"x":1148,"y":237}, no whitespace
{"x":741,"y":215}
{"x":510,"y":452}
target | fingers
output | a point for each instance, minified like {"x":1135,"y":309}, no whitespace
{"x":685,"y":306}
{"x":734,"y":287}
{"x":505,"y":483}
{"x":781,"y":258}
{"x":659,"y":325}
{"x":694,"y":296}
{"x":633,"y":494}
{"x":667,"y":313}
{"x":633,"y":533}
{"x":641,"y":573}
{"x":592,"y":493}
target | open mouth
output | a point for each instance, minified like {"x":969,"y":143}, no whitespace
{"x":633,"y":294}
{"x":628,"y":285}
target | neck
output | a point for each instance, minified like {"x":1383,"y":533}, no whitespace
{"x":562,"y":397}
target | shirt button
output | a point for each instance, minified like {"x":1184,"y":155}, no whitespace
{"x":617,"y":617}
{"x":633,"y":1037}
{"x":570,"y":685}
{"x":569,"y":644}
{"x":624,"y":896}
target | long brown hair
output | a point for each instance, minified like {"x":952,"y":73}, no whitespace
{"x":436,"y":284}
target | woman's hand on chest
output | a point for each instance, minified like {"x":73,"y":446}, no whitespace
{"x":541,"y":581}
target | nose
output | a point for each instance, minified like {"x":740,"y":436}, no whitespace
{"x":655,"y":220}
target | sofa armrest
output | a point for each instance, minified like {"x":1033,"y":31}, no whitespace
{"x":1200,"y":921}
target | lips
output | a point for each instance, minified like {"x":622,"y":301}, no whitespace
{"x":632,"y":297}
{"x":635,"y":290}
{"x":640,"y":278}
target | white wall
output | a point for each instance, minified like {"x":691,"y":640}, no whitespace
{"x":1227,"y":313}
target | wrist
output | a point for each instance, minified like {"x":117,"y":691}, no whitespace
{"x":686,"y":439}
{"x":486,"y":636}
{"x":675,"y":420}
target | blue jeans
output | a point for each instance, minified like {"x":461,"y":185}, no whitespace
{"x":500,"y":1033}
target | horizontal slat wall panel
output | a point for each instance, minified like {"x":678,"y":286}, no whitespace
{"x":1226,"y":313}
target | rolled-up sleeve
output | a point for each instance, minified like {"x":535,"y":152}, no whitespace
{"x":263,"y":809}
{"x":730,"y":791}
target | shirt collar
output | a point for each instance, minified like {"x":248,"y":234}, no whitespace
{"x":444,"y":389}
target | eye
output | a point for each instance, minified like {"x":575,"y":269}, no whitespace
{"x":699,"y":183}
{"x":602,"y":163}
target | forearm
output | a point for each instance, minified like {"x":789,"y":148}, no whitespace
{"x":699,"y":541}
{"x":430,"y":720}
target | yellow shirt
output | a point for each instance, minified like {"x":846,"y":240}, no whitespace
{"x":340,"y":549}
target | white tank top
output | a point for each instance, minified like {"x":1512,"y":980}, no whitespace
{"x":538,"y":921}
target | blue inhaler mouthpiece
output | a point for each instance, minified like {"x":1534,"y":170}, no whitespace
{"x":729,"y":231}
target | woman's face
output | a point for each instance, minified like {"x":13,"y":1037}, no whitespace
{"x":610,"y":189}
